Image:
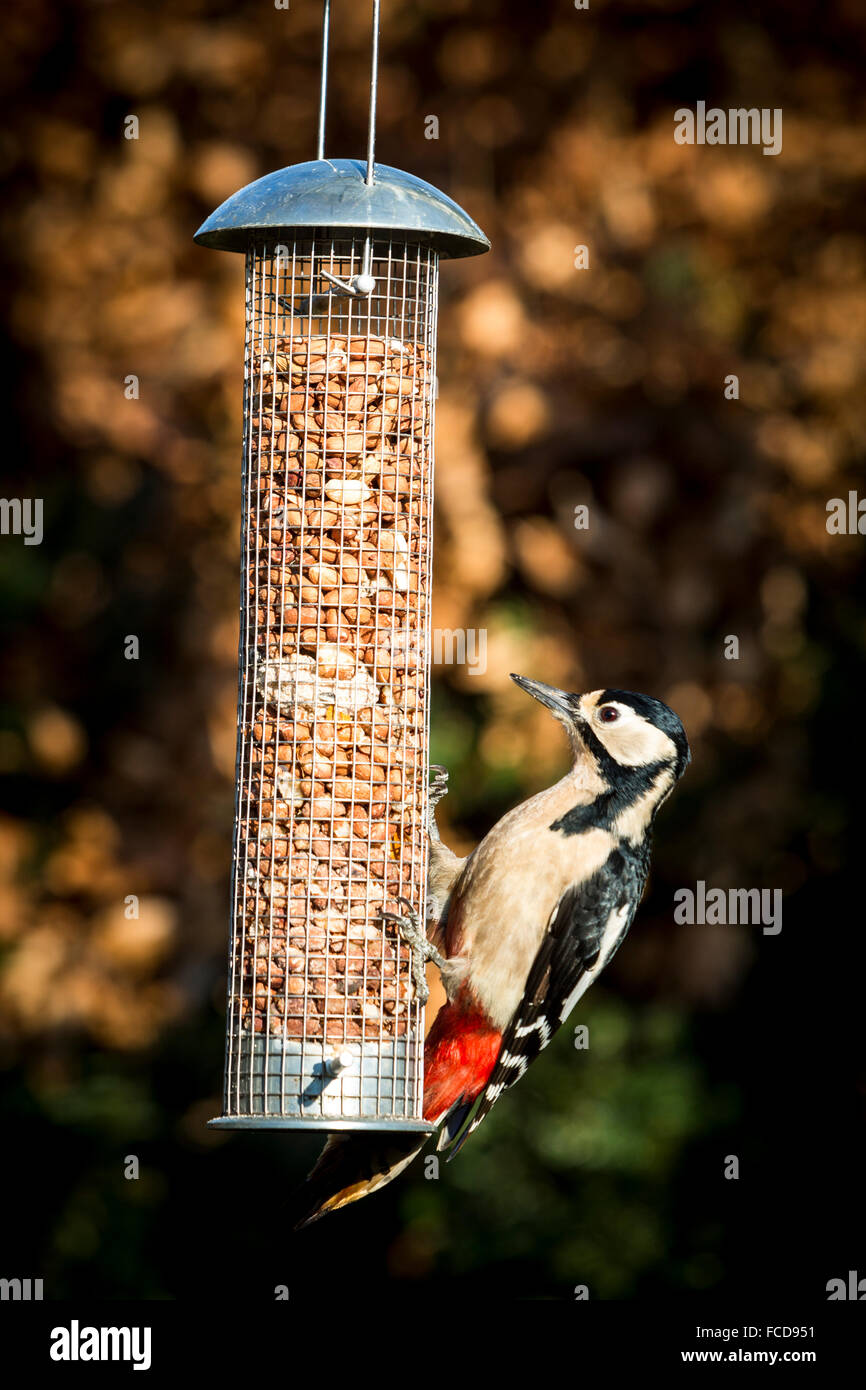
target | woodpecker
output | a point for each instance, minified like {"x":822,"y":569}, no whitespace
{"x":524,"y":925}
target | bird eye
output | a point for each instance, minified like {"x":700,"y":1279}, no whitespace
{"x":609,"y":714}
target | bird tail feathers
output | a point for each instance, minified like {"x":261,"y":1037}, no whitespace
{"x":349,"y":1168}
{"x":454,"y":1121}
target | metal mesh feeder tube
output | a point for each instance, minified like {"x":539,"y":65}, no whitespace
{"x":323,"y":1030}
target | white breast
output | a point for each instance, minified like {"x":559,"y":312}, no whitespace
{"x":508,"y":903}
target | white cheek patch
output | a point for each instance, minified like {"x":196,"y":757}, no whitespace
{"x":635,"y":742}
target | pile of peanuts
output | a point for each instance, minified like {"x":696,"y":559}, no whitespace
{"x":333,"y":754}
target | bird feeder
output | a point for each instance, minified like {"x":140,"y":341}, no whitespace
{"x":323,"y":1027}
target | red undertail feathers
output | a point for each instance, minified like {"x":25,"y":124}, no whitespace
{"x":459,"y":1055}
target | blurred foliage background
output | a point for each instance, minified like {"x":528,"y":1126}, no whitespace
{"x":558,"y":387}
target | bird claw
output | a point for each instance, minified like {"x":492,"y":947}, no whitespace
{"x":438,"y":789}
{"x":412,"y":932}
{"x":438,"y":784}
{"x":420,"y":949}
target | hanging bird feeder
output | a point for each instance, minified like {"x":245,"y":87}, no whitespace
{"x":323,"y":1027}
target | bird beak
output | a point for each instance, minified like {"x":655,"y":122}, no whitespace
{"x":557,"y":701}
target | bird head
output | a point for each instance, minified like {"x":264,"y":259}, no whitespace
{"x":632,"y":738}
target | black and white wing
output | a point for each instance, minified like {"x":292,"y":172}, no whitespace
{"x":585,"y":929}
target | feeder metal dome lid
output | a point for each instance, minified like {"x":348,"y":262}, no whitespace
{"x":332,"y":194}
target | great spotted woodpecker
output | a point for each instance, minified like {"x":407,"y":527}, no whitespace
{"x":522,"y":927}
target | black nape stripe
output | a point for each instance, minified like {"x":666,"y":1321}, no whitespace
{"x":600,"y":814}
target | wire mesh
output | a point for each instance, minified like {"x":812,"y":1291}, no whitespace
{"x":333,"y":700}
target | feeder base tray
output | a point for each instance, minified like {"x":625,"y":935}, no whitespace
{"x":324,"y":1126}
{"x":277,"y":1083}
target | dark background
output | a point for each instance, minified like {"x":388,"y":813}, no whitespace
{"x":558,"y":387}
